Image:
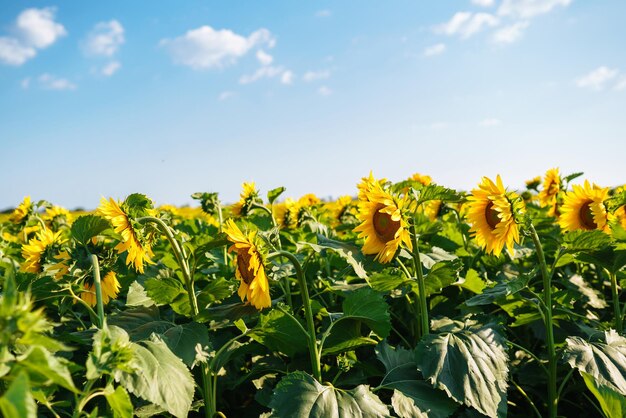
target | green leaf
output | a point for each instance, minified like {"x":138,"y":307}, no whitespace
{"x":182,"y":340}
{"x":137,"y":296}
{"x":467,"y":360}
{"x":612,"y":403}
{"x":387,"y":280}
{"x":402,"y":376}
{"x":435,"y":192}
{"x":217,"y":290}
{"x":137,"y":205}
{"x":572,"y":176}
{"x":17,"y":401}
{"x":473,"y":282}
{"x":604,"y":362}
{"x":119,"y":401}
{"x":500,"y":290}
{"x":442,"y":274}
{"x":43,"y":367}
{"x":88,"y":226}
{"x":580,"y":240}
{"x":405,"y":407}
{"x":300,"y":395}
{"x":278,"y":331}
{"x":164,"y":379}
{"x":273,"y":194}
{"x":163,"y":290}
{"x":348,"y":251}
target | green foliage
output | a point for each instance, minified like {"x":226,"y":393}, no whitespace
{"x":274,"y":194}
{"x":348,"y":251}
{"x":436,"y":192}
{"x":279,"y":331}
{"x":17,"y":401}
{"x":88,"y":226}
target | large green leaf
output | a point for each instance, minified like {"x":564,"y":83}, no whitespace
{"x":612,"y":403}
{"x":405,"y":407}
{"x":119,"y":401}
{"x":182,"y":340}
{"x":17,"y":401}
{"x":442,"y":274}
{"x":436,"y":192}
{"x":273,"y":194}
{"x":346,"y":250}
{"x":163,"y":290}
{"x":387,"y":280}
{"x":86,"y":227}
{"x":500,"y":290}
{"x":468,"y":360}
{"x":580,"y":240}
{"x":300,"y":395}
{"x":604,"y":361}
{"x":44,"y":367}
{"x":279,"y":332}
{"x":160,"y":377}
{"x":414,"y":394}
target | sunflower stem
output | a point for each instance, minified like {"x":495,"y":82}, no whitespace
{"x":98,"y":285}
{"x":423,"y":304}
{"x":616,"y":304}
{"x":547,"y":299}
{"x":306,"y":302}
{"x":220,"y":218}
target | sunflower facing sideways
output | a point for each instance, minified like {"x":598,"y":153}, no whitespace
{"x":583,"y":208}
{"x":250,"y":270}
{"x":45,"y":244}
{"x":22,"y":211}
{"x":247,"y":198}
{"x":383,"y":221}
{"x":491,"y":213}
{"x":549,"y":193}
{"x":110,"y":289}
{"x":138,"y":248}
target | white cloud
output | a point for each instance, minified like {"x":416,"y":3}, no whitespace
{"x":436,"y":49}
{"x":621,"y":85}
{"x":323,"y":13}
{"x":111,"y":68}
{"x":50,"y":82}
{"x":597,"y":79}
{"x":466,"y":24}
{"x":12,"y":52}
{"x":310,"y":76}
{"x":511,"y":33}
{"x":267,"y":71}
{"x":33,"y":29}
{"x":25,"y":83}
{"x":528,"y":8}
{"x":205,"y":47}
{"x":104,"y":39}
{"x":263,"y":57}
{"x":324,"y":91}
{"x":489,"y":122}
{"x":225,"y":95}
{"x":484,"y":3}
{"x":287,"y":77}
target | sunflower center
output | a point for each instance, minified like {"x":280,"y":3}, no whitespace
{"x":384,"y":226}
{"x":245,"y":269}
{"x":586,"y":217}
{"x":491,"y":215}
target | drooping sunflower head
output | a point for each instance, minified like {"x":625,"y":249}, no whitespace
{"x":137,"y":238}
{"x":286,"y":213}
{"x":248,"y":197}
{"x":533,"y":183}
{"x":551,"y":188}
{"x":584,"y":208}
{"x":384,"y":224}
{"x":249,"y":266}
{"x":494,"y":215}
{"x":110,"y":289}
{"x":46,"y":246}
{"x":619,"y":214}
{"x":56,"y":216}
{"x":209,"y":202}
{"x":22,"y":211}
{"x":343,"y":210}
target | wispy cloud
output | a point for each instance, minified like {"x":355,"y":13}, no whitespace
{"x":490,"y":122}
{"x":111,"y":68}
{"x":433,"y":50}
{"x":598,"y":78}
{"x":510,"y":34}
{"x":467,"y":24}
{"x":324,"y":91}
{"x":34,"y":29}
{"x":323,"y":13}
{"x":50,"y":82}
{"x":268,"y":71}
{"x":104,"y":39}
{"x":205,"y":47}
{"x":263,"y":57}
{"x":225,"y":95}
{"x":621,"y":84}
{"x":310,"y":76}
{"x":484,"y":3}
{"x":525,"y":9}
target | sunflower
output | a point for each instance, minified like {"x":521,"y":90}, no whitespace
{"x":492,"y":212}
{"x":110,"y":289}
{"x":57,"y":214}
{"x":343,"y":210}
{"x":367,"y":184}
{"x":533,"y":183}
{"x":61,"y":267}
{"x":431,"y":208}
{"x":309,"y":199}
{"x":583,"y":208}
{"x":138,"y":252}
{"x":422,"y":178}
{"x":551,"y":187}
{"x":247,"y":198}
{"x":383,"y":223}
{"x":287,"y":213}
{"x":22,"y":211}
{"x":250,"y":270}
{"x":36,"y":250}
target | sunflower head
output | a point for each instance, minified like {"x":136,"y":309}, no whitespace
{"x":248,"y":197}
{"x":137,"y":238}
{"x":421,"y":178}
{"x":584,"y":208}
{"x":494,"y":215}
{"x":55,"y":216}
{"x":533,"y":184}
{"x":367,"y":184}
{"x":209,"y":202}
{"x":249,"y":266}
{"x":110,"y":289}
{"x":46,"y":246}
{"x":384,"y":224}
{"x":22,"y":212}
{"x":343,"y":210}
{"x":286,"y":213}
{"x":309,"y":200}
{"x":551,"y":188}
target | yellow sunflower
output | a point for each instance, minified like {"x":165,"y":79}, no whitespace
{"x":138,"y":252}
{"x":22,"y":211}
{"x":61,"y":267}
{"x":343,"y":209}
{"x":431,"y":208}
{"x":309,"y":199}
{"x":286,"y":213}
{"x":491,"y":213}
{"x":110,"y":289}
{"x":36,"y":250}
{"x":549,"y":193}
{"x":57,"y":214}
{"x":250,"y":270}
{"x":583,"y":208}
{"x":248,"y":196}
{"x":533,"y":183}
{"x":367,"y":184}
{"x":422,"y":178}
{"x":383,"y":224}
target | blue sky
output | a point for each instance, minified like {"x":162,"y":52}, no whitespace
{"x":110,"y":98}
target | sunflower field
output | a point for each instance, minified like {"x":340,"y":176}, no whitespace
{"x":409,"y":300}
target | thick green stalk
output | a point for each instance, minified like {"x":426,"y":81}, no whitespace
{"x":547,"y":299}
{"x":616,"y":304}
{"x":220,"y":218}
{"x":422,"y":302}
{"x":98,"y":286}
{"x":308,"y":313}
